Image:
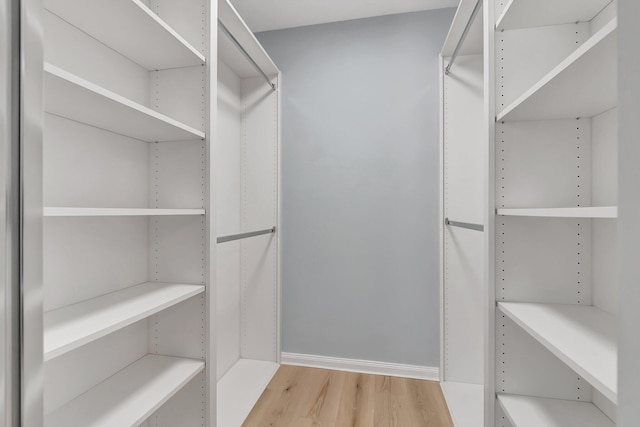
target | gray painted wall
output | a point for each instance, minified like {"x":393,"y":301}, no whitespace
{"x":360,"y":186}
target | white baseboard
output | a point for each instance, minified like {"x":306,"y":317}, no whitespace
{"x":362,"y":366}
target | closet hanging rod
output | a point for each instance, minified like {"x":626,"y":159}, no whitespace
{"x":244,"y":52}
{"x":233,"y":237}
{"x":477,"y":227}
{"x":467,"y":27}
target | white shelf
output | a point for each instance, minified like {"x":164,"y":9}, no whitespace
{"x":70,"y":327}
{"x":130,"y":28}
{"x":63,"y":211}
{"x":240,"y":388}
{"x":130,"y":396}
{"x":526,"y":411}
{"x":583,"y":85}
{"x":583,"y":337}
{"x":540,"y":13}
{"x":580,"y":212}
{"x":77,"y":99}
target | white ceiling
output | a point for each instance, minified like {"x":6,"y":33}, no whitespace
{"x":264,"y":15}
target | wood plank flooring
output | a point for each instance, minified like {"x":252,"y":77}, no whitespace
{"x":305,"y":397}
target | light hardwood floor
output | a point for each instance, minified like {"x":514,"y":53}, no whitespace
{"x":304,"y":397}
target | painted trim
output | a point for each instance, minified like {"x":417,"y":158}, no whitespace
{"x":362,"y":366}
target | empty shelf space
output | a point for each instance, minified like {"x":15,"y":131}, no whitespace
{"x":583,"y":85}
{"x":583,"y":337}
{"x":72,"y":97}
{"x":465,"y":402}
{"x":64,"y":211}
{"x":539,"y":13}
{"x":130,"y":28}
{"x":130,"y":396}
{"x":526,"y":411}
{"x":70,"y":327}
{"x":579,"y":212}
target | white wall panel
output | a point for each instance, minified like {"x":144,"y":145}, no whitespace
{"x":177,"y":175}
{"x":543,"y":260}
{"x":185,"y":409}
{"x":81,"y":159}
{"x":179,"y":93}
{"x":87,"y":257}
{"x":75,"y":51}
{"x":187,"y":17}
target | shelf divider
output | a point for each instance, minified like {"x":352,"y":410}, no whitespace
{"x":583,"y":337}
{"x":70,"y":327}
{"x":130,"y":396}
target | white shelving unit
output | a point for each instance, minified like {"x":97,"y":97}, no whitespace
{"x":128,"y":222}
{"x":70,"y":327}
{"x":129,"y":397}
{"x":579,"y":212}
{"x":553,"y":99}
{"x":583,"y":337}
{"x":526,"y":411}
{"x":248,"y":272}
{"x":463,"y":272}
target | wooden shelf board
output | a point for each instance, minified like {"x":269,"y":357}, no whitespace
{"x":70,"y":96}
{"x":578,"y":212}
{"x":65,"y":211}
{"x":527,"y":411}
{"x":70,"y":327}
{"x":583,"y":85}
{"x":130,"y":396}
{"x":539,"y":13}
{"x":583,"y":337}
{"x":130,"y":28}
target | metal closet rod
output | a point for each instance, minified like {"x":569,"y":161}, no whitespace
{"x":233,"y":237}
{"x":235,"y":41}
{"x":472,"y":18}
{"x":476,"y":227}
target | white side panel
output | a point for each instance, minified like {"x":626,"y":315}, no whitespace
{"x":543,"y":163}
{"x":228,"y":193}
{"x":187,"y":17}
{"x":179,"y":93}
{"x":87,"y":257}
{"x":605,"y":192}
{"x":523,"y":366}
{"x":177,"y":175}
{"x":71,"y":374}
{"x":543,"y":260}
{"x":81,"y":159}
{"x":463,"y":201}
{"x":71,"y":49}
{"x":524,"y":56}
{"x":259,"y":292}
